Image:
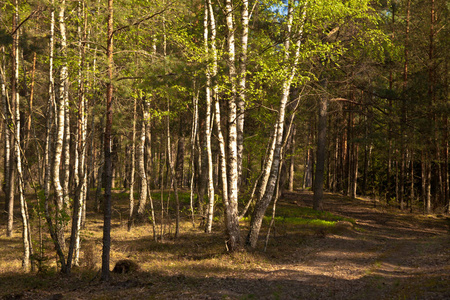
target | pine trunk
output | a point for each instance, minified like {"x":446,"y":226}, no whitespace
{"x":321,"y":149}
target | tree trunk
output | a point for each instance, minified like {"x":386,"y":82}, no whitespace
{"x":141,"y":161}
{"x":30,"y":104}
{"x":307,"y":177}
{"x":172,"y":173}
{"x":133,"y":167}
{"x":292,"y":161}
{"x":8,"y":186}
{"x":62,"y":102}
{"x":210,"y":72}
{"x":242,"y":89}
{"x":354,"y":183}
{"x":82,"y":128}
{"x":411,"y":170}
{"x":49,"y":139}
{"x":26,"y":235}
{"x":222,"y":155}
{"x":107,"y":144}
{"x":193,"y":143}
{"x":232,"y":221}
{"x":321,"y":148}
{"x":261,"y":206}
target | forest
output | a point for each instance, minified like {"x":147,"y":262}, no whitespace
{"x":220,"y":132}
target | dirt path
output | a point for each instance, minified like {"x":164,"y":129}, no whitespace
{"x":387,"y":255}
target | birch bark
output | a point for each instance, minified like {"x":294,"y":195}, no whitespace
{"x":211,"y":71}
{"x":26,"y":234}
{"x":8,"y":186}
{"x":232,"y":219}
{"x":242,"y":88}
{"x":261,"y":206}
{"x":82,"y":127}
{"x":133,"y":167}
{"x":49,"y":169}
{"x":141,"y":161}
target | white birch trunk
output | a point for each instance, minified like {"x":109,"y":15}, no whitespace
{"x":141,"y":161}
{"x":51,"y":106}
{"x":193,"y":142}
{"x":172,"y":173}
{"x":8,"y":158}
{"x":242,"y":87}
{"x":261,"y":206}
{"x":26,"y":235}
{"x":209,"y":69}
{"x":232,"y":219}
{"x":81,"y":143}
{"x":133,"y":167}
{"x":59,"y":194}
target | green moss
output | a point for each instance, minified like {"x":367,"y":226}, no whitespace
{"x":301,"y":221}
{"x":305,"y":213}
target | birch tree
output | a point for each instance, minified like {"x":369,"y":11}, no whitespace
{"x":290,"y":69}
{"x":231,"y":206}
{"x":8,"y":171}
{"x":242,"y":86}
{"x":26,"y":233}
{"x":211,"y":71}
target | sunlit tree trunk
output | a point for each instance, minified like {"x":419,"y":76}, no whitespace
{"x":133,"y":167}
{"x":29,"y":120}
{"x":59,"y":193}
{"x":242,"y":88}
{"x":49,"y":139}
{"x":232,"y":221}
{"x":26,"y":234}
{"x":210,"y":72}
{"x":100,"y":174}
{"x":8,"y":185}
{"x":193,"y":159}
{"x":261,"y":206}
{"x":81,"y":135}
{"x":172,"y":173}
{"x":141,"y":161}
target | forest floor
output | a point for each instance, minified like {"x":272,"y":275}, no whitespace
{"x":353,"y":251}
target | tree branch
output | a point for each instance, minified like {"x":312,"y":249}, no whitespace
{"x":39,"y":9}
{"x":148,"y":17}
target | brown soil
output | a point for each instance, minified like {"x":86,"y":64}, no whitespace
{"x":385,"y":255}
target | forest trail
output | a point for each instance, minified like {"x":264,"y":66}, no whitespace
{"x":382,"y":254}
{"x":386,"y":255}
